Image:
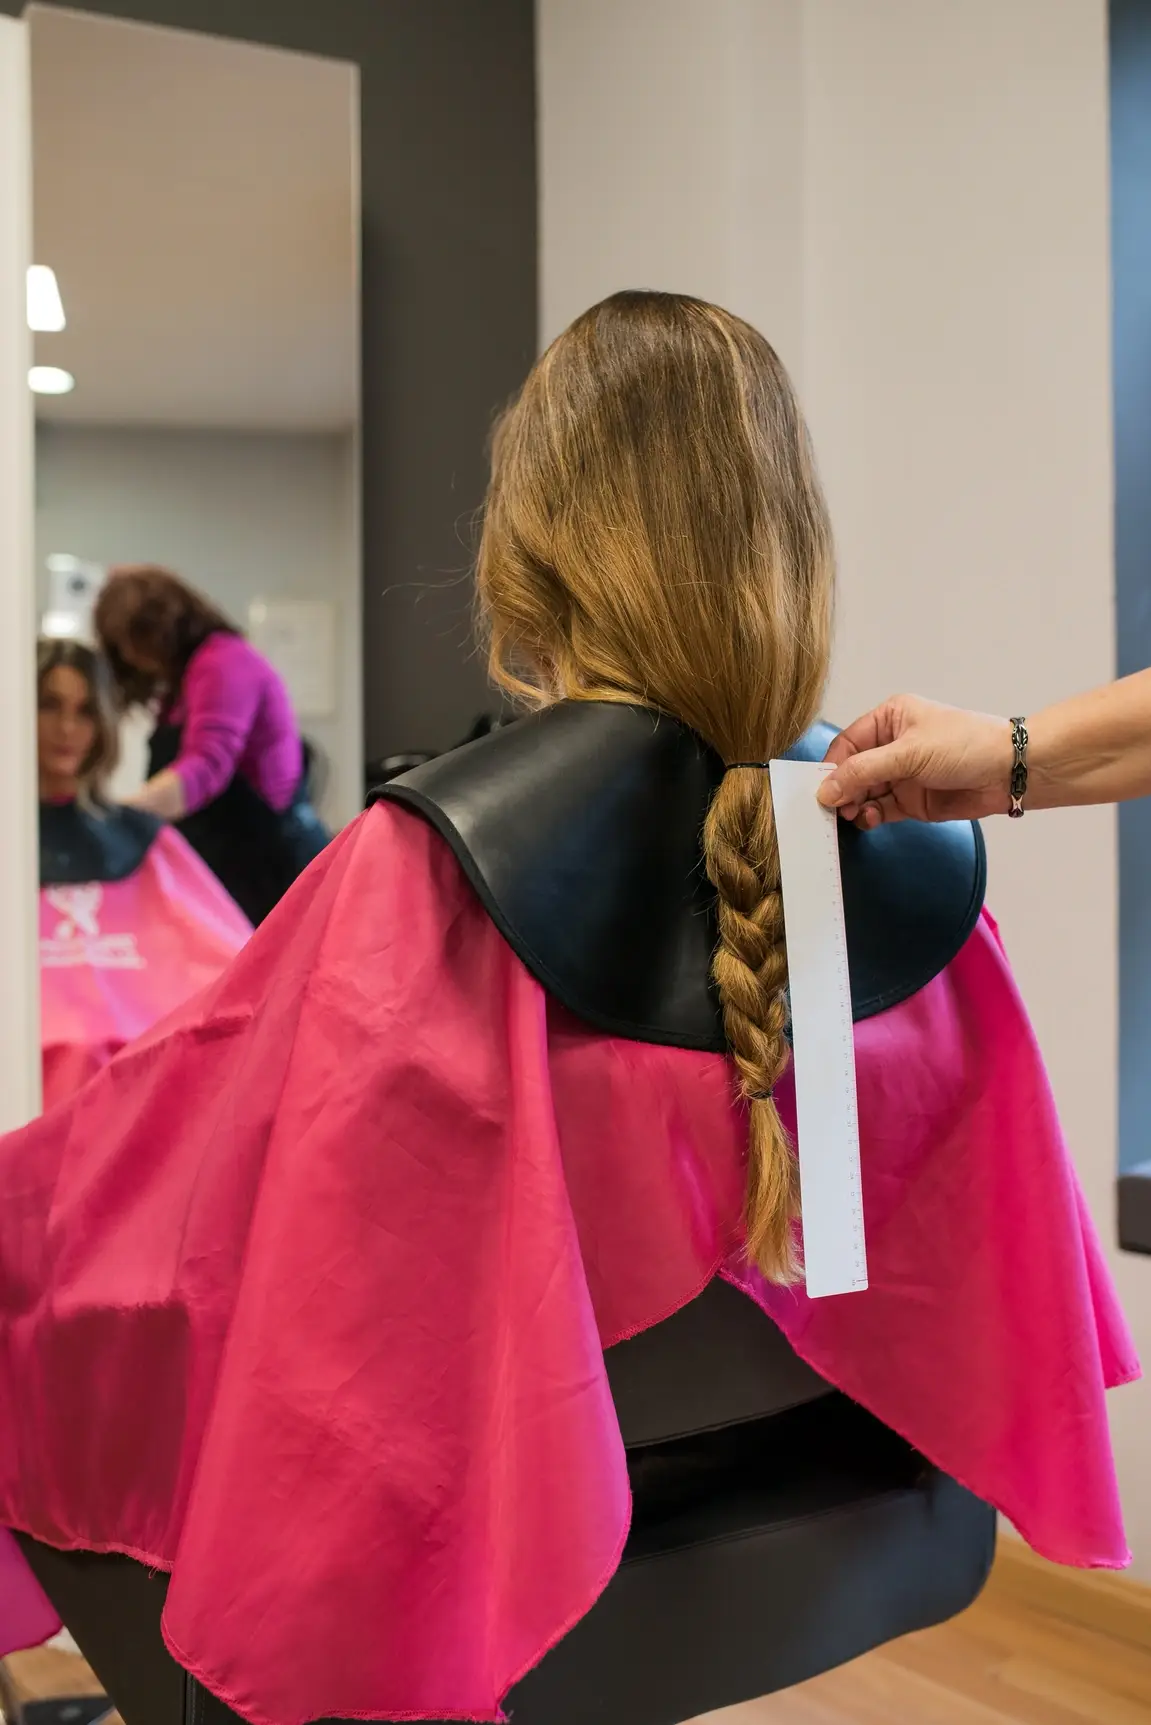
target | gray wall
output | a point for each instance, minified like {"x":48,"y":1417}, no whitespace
{"x":244,"y":516}
{"x":449,"y":285}
{"x":1131,"y":262}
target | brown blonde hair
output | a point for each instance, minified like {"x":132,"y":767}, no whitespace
{"x":148,"y":610}
{"x":100,"y":762}
{"x":655,"y":532}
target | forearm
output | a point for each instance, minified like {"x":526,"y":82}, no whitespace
{"x":1093,"y":748}
{"x":162,"y":795}
{"x":221,"y":696}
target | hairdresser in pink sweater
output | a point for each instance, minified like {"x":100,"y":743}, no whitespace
{"x":226,"y":760}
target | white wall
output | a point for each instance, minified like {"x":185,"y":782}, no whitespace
{"x":241,"y":516}
{"x":924,"y":235}
{"x":20,"y":974}
{"x":662,"y":124}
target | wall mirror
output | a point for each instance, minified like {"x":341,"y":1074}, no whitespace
{"x":194,"y":304}
{"x":194,"y":332}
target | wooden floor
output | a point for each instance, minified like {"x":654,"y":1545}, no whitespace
{"x":1042,"y":1647}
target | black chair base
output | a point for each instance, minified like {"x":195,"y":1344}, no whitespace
{"x":769,"y":1584}
{"x":760,"y":1556}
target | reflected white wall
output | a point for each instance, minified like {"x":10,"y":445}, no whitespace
{"x":243,"y":516}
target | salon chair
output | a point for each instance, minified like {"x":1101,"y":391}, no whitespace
{"x":316,"y":771}
{"x":779,"y":1530}
{"x":378,"y":772}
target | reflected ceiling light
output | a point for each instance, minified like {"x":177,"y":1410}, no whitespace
{"x":50,"y":380}
{"x":45,"y":307}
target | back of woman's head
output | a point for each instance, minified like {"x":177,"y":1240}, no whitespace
{"x":100,"y":762}
{"x":150,"y":622}
{"x":655,"y":532}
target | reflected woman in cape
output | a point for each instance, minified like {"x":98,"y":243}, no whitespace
{"x":131,"y":921}
{"x":505,"y":1080}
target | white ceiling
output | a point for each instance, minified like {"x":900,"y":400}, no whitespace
{"x":198,"y":200}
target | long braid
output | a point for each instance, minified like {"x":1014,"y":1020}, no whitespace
{"x":750,"y":971}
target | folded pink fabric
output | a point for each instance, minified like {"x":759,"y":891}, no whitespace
{"x":323,"y":1269}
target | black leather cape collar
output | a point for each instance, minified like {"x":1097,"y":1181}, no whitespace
{"x":78,"y":844}
{"x":579,"y":829}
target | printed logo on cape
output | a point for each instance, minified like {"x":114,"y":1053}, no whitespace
{"x":77,"y":938}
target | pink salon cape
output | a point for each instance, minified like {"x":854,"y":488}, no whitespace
{"x":117,"y":956}
{"x":322,"y":1271}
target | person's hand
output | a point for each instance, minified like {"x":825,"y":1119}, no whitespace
{"x":912,"y":759}
{"x":161,"y":795}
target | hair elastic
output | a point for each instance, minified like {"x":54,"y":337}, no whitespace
{"x":760,"y":766}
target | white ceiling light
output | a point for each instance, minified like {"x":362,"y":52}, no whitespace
{"x":50,"y":380}
{"x":45,"y":307}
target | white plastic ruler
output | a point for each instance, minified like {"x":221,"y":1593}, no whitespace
{"x":822,"y":1032}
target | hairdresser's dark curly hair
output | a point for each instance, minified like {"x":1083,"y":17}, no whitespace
{"x":145,"y":610}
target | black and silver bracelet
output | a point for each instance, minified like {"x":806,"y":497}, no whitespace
{"x":1018,"y":768}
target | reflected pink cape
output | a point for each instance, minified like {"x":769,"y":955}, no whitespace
{"x":117,"y":956}
{"x":304,"y":1297}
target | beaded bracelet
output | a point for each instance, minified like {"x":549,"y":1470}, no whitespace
{"x":1018,"y":768}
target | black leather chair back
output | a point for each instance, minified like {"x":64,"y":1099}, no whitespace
{"x":778,"y":1530}
{"x":717,"y":1362}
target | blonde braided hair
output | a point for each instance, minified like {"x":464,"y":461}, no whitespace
{"x":655,"y":532}
{"x":750,"y":971}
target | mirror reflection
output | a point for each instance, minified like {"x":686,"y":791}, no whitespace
{"x":194,"y":303}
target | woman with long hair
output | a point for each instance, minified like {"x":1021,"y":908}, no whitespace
{"x":505,"y":1081}
{"x":226,"y":759}
{"x":131,"y":921}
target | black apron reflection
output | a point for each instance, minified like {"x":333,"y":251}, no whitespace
{"x":255,"y":850}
